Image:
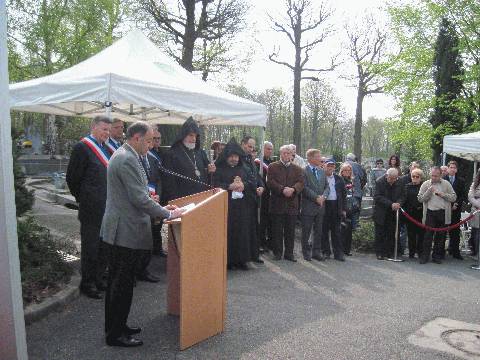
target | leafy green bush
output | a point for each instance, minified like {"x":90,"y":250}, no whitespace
{"x":363,"y":238}
{"x":41,"y":262}
{"x":23,"y":197}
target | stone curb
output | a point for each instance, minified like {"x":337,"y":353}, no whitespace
{"x":57,"y":302}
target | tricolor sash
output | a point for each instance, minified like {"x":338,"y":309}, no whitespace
{"x":99,"y":151}
{"x":111,"y":146}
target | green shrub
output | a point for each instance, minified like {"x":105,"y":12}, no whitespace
{"x":363,"y":238}
{"x":41,"y":263}
{"x":23,"y":197}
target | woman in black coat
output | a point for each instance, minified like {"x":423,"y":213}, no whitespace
{"x":414,"y":208}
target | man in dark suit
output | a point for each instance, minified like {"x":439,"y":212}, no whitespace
{"x":314,"y":194}
{"x":254,"y":189}
{"x":459,"y":187}
{"x":126,"y":229}
{"x":87,"y":181}
{"x":151,"y":165}
{"x":285,"y":181}
{"x":335,"y":210}
{"x":388,"y":199}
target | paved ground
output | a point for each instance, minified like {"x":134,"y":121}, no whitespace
{"x":360,"y":309}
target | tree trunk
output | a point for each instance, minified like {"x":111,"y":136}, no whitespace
{"x":357,"y":137}
{"x":297,"y":102}
{"x":189,"y":36}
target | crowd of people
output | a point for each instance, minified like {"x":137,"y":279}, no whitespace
{"x":123,"y":188}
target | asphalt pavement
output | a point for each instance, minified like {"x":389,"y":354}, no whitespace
{"x":360,"y":309}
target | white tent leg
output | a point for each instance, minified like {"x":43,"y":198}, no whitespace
{"x":13,"y":343}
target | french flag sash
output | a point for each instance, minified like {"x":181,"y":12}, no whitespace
{"x":99,"y":152}
{"x":111,"y":146}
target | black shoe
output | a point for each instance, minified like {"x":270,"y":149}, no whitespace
{"x":277,"y":257}
{"x":243,"y":266}
{"x":457,"y":256}
{"x":318,"y":257}
{"x":380,"y":257}
{"x":348,"y":254}
{"x":91,"y":292}
{"x":411,"y":256}
{"x":290,"y":258}
{"x":326,"y":256}
{"x":258,"y":261}
{"x":423,"y":260}
{"x":124,"y":341}
{"x":132,"y":330}
{"x":307,"y":258}
{"x":148,"y":278}
{"x":339,"y":258}
{"x":231,"y":267}
{"x":436,"y":261}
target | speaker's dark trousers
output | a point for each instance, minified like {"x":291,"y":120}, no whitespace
{"x":283,"y":228}
{"x":435,"y":218}
{"x":122,"y":263}
{"x":93,"y":261}
{"x":309,"y":222}
{"x":331,"y":224}
{"x":145,"y":256}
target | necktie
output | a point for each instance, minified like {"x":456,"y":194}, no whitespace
{"x":145,"y":166}
{"x":314,"y":170}
{"x":451,"y":179}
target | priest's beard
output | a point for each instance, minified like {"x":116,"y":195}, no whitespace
{"x":189,"y":146}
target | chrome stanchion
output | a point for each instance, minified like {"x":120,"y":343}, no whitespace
{"x":397,"y":231}
{"x":477,"y":265}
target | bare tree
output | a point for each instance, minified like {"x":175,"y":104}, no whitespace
{"x":367,"y":44}
{"x":297,"y":25}
{"x":214,"y":22}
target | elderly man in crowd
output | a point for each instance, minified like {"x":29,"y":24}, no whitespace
{"x":459,"y":186}
{"x":444,"y":170}
{"x":297,"y":159}
{"x":87,"y":181}
{"x":388,"y":199}
{"x":335,"y":211}
{"x":314,"y":194}
{"x":376,"y":173}
{"x":285,"y":181}
{"x":437,"y":196}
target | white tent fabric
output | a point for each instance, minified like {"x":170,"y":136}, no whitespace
{"x":466,"y":146}
{"x":141,"y":83}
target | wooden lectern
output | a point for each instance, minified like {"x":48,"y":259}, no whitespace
{"x":196,"y":266}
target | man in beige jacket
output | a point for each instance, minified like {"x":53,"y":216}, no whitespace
{"x":437,"y":196}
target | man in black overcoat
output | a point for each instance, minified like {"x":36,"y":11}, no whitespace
{"x":87,"y":181}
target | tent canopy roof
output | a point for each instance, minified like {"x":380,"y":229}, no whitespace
{"x":466,"y":146}
{"x":141,"y":83}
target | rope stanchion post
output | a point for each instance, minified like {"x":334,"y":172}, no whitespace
{"x":397,"y":230}
{"x":477,"y":242}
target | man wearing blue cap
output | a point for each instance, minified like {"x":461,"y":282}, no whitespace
{"x":334,"y":211}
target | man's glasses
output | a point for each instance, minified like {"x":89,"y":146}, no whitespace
{"x":415,"y":176}
{"x":156,"y":138}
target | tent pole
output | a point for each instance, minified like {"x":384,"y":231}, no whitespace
{"x":13,"y":344}
{"x":475,"y":166}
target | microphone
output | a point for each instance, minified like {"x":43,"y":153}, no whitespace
{"x":211,"y":154}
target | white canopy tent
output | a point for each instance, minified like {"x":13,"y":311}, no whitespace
{"x":134,"y":80}
{"x":465,"y":146}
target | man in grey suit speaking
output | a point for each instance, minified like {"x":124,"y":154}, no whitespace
{"x":126,"y":229}
{"x":314,"y":193}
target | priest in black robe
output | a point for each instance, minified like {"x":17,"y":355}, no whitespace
{"x":231,"y":175}
{"x":187,"y":158}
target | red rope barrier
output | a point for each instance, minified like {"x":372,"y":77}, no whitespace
{"x":447,"y":228}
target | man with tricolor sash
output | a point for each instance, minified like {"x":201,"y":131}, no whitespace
{"x":87,"y":181}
